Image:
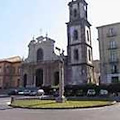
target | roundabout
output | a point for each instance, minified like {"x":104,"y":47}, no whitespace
{"x":52,"y":104}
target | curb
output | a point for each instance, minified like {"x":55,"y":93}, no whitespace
{"x":113,"y":103}
{"x":3,"y":96}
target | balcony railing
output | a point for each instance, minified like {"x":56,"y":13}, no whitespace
{"x":113,"y":60}
{"x":111,"y":34}
{"x":112,"y":47}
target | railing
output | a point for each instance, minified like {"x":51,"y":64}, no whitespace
{"x":113,"y":60}
{"x":112,"y":47}
{"x":111,"y":34}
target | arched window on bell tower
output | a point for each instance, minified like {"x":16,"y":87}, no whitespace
{"x":75,"y":13}
{"x":75,"y":34}
{"x":39,"y":54}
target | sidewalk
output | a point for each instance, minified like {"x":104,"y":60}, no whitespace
{"x":4,"y":95}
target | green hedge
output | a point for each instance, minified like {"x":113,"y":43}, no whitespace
{"x":81,"y":90}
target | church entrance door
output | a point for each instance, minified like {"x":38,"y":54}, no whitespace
{"x":39,"y":77}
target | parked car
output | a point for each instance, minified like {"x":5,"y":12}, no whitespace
{"x":56,"y":93}
{"x":40,"y":92}
{"x":79,"y":93}
{"x":32,"y":91}
{"x":103,"y":92}
{"x":91,"y":92}
{"x":69,"y":92}
{"x":24,"y":92}
{"x":20,"y":91}
{"x":12,"y":92}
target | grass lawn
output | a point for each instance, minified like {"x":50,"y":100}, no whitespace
{"x":53,"y":104}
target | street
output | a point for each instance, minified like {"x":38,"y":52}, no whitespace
{"x":103,"y":113}
{"x":4,"y":103}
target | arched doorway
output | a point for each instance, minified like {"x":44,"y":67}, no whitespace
{"x":25,"y":80}
{"x":39,"y":77}
{"x":56,"y":78}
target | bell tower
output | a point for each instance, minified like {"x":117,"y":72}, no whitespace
{"x":79,"y":49}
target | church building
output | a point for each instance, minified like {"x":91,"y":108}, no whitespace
{"x":41,"y":68}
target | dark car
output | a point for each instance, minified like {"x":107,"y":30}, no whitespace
{"x":13,"y":92}
{"x":55,"y":93}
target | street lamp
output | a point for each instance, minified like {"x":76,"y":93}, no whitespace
{"x":61,"y":97}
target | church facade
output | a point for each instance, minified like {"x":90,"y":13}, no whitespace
{"x":41,"y":68}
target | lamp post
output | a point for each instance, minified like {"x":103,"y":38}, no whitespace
{"x":61,"y":97}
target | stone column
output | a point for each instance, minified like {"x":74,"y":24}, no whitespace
{"x":61,"y":97}
{"x":34,"y":80}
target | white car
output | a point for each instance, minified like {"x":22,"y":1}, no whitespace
{"x":40,"y":92}
{"x":91,"y":92}
{"x":103,"y":92}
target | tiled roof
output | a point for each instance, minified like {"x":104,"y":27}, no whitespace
{"x":12,"y":59}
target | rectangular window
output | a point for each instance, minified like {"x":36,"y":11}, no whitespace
{"x":115,"y":79}
{"x":8,"y":69}
{"x":13,"y":70}
{"x":75,"y":35}
{"x":111,"y":32}
{"x":112,"y":44}
{"x":88,"y":36}
{"x":114,"y":69}
{"x":0,"y":69}
{"x":89,"y":55}
{"x":113,"y":56}
{"x":76,"y":54}
{"x":18,"y":70}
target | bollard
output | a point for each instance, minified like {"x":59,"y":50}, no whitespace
{"x":12,"y":99}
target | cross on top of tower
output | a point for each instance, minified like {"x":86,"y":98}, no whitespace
{"x":79,"y":1}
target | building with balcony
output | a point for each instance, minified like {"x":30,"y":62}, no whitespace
{"x":109,"y":47}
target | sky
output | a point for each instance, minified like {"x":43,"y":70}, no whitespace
{"x":20,"y":20}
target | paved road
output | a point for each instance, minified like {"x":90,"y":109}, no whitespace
{"x":104,"y":113}
{"x":4,"y":103}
